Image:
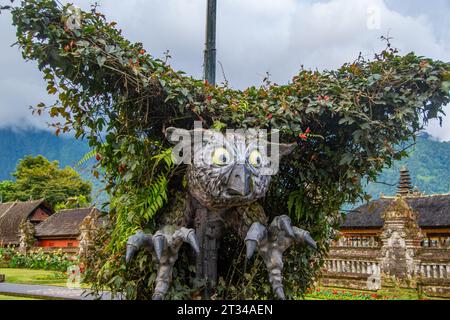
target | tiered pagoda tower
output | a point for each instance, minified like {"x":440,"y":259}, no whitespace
{"x":404,"y":184}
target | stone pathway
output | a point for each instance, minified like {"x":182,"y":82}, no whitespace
{"x":52,"y":292}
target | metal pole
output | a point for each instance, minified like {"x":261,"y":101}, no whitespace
{"x":209,"y":64}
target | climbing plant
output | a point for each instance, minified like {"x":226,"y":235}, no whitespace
{"x":349,"y":123}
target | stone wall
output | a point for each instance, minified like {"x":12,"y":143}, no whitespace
{"x":362,"y":268}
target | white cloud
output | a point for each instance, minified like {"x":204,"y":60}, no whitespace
{"x":253,"y":36}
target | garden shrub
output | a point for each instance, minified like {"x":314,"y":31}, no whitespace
{"x":55,"y":261}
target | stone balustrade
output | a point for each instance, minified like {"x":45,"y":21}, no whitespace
{"x":434,"y":270}
{"x":357,"y":242}
{"x":351,"y":266}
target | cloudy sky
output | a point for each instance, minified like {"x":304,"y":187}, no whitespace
{"x":253,"y":37}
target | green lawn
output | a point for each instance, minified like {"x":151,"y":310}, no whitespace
{"x":2,"y":297}
{"x":29,"y":276}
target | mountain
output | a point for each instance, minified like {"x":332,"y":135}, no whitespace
{"x":429,"y":161}
{"x":429,"y":167}
{"x":17,"y":144}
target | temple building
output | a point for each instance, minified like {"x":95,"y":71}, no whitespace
{"x":401,"y":241}
{"x":62,"y":229}
{"x":30,"y":225}
{"x":12,"y":214}
{"x":365,"y":223}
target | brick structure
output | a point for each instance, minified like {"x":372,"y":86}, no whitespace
{"x":394,"y":242}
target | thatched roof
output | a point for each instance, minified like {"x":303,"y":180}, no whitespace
{"x":12,"y":214}
{"x":433,"y":211}
{"x":64,"y":223}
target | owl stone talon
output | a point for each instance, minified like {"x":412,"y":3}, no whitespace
{"x":166,"y":246}
{"x":137,"y":242}
{"x":271,"y":243}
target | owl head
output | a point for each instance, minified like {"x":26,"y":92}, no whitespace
{"x":227,"y":170}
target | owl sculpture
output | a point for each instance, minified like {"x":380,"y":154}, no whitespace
{"x":226,"y":175}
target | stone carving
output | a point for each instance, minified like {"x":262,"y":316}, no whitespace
{"x":222,"y":195}
{"x":27,"y":239}
{"x":401,"y":238}
{"x":88,"y":229}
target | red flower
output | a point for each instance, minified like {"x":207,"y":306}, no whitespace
{"x":303,"y":136}
{"x":142,"y":51}
{"x":98,"y":157}
{"x":122,"y":168}
{"x":209,"y":98}
{"x":423,"y":64}
{"x":374,"y":295}
{"x":269,"y":116}
{"x":308,"y":130}
{"x":326,"y":98}
{"x":319,"y":97}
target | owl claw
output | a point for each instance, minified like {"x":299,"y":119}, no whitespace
{"x":303,"y":236}
{"x":136,"y":242}
{"x":251,"y":247}
{"x":255,"y":235}
{"x":160,"y":243}
{"x":271,"y":243}
{"x":165,"y":247}
{"x":285,"y":224}
{"x":192,"y":240}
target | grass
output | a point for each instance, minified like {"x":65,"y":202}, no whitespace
{"x":3,"y":297}
{"x":330,"y":293}
{"x":31,"y":276}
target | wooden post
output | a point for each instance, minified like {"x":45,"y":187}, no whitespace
{"x":210,"y":46}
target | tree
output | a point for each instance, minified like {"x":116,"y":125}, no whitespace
{"x":349,"y":123}
{"x":73,"y":202}
{"x":38,"y":178}
{"x":6,"y":190}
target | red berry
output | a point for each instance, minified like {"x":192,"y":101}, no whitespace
{"x":303,"y":136}
{"x":142,"y":51}
{"x":269,"y":116}
{"x":98,"y":157}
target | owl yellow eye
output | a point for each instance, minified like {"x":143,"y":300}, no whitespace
{"x":221,"y":157}
{"x":255,"y":158}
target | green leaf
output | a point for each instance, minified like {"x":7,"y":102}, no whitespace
{"x":101,"y":60}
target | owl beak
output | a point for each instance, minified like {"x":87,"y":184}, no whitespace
{"x":239,"y":181}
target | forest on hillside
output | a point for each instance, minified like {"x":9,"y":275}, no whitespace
{"x":429,"y":166}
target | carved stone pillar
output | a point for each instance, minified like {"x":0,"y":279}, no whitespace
{"x":88,"y":228}
{"x":27,"y":239}
{"x":400,"y":239}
